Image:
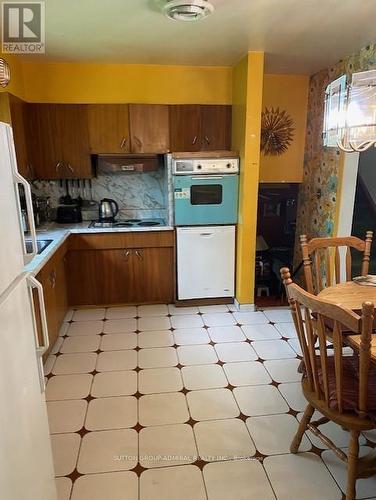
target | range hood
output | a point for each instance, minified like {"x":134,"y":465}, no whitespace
{"x":112,"y":163}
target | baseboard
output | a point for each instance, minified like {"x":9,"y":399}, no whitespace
{"x":244,"y":307}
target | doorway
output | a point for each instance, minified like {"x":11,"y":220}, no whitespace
{"x":364,"y":215}
{"x":276,"y":226}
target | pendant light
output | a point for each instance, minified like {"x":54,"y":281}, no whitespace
{"x":350,"y":113}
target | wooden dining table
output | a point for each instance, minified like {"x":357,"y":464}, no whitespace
{"x":351,"y":295}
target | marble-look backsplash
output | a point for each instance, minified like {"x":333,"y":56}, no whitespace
{"x":139,"y":195}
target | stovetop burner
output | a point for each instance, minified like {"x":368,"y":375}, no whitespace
{"x":127,"y":223}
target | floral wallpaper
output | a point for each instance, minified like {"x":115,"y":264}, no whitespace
{"x":318,"y":193}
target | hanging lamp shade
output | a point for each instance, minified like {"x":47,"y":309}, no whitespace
{"x":359,"y":132}
{"x":4,"y":73}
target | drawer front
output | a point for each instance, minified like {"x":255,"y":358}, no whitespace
{"x":97,"y":241}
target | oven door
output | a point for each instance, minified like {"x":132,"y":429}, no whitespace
{"x":205,"y":199}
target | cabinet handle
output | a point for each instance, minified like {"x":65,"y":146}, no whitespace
{"x":207,"y":139}
{"x":194,"y":139}
{"x":139,"y":255}
{"x":123,"y":143}
{"x":70,"y":167}
{"x":126,"y":255}
{"x":139,"y":142}
{"x":58,"y":165}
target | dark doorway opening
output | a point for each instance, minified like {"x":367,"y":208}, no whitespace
{"x":276,"y":226}
{"x":364,"y":217}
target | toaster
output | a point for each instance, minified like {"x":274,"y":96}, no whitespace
{"x":67,"y":214}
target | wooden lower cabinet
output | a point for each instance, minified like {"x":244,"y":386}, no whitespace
{"x":128,"y":275}
{"x":53,"y":279}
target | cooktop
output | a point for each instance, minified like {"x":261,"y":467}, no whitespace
{"x":127,"y":223}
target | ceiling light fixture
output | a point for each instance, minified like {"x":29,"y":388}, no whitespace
{"x":187,"y":10}
{"x":350,"y":113}
{"x":4,"y":73}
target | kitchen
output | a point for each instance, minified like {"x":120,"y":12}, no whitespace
{"x":155,"y":190}
{"x":134,"y":192}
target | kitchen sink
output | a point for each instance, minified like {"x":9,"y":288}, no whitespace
{"x":41,"y":244}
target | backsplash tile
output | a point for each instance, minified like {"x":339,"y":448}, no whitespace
{"x":139,"y":195}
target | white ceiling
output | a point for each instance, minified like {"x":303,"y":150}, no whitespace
{"x":298,"y":36}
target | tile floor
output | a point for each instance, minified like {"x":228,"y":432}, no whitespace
{"x":166,"y":403}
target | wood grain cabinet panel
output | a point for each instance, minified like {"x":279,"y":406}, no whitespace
{"x":19,"y":117}
{"x":73,"y":127}
{"x":154,"y":275}
{"x":53,"y":279}
{"x":59,"y":141}
{"x":149,"y":128}
{"x":185,"y":127}
{"x":197,"y":127}
{"x":215,"y":127}
{"x":108,"y":128}
{"x":130,"y":274}
{"x":44,"y":140}
{"x":100,"y":277}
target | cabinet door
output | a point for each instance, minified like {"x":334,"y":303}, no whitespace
{"x":18,"y":115}
{"x":153,"y":275}
{"x":149,"y":128}
{"x":107,"y":276}
{"x":47,"y":277}
{"x":73,"y":129}
{"x":215,"y":127}
{"x":61,"y":296}
{"x":108,"y":128}
{"x":185,"y":127}
{"x":44,"y":140}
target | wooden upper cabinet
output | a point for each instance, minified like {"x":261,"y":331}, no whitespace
{"x":215,"y":127}
{"x":73,"y":127}
{"x":108,"y":128}
{"x":59,"y":141}
{"x":185,"y":127}
{"x":44,"y":140}
{"x":18,"y":118}
{"x":197,"y":127}
{"x":149,"y":128}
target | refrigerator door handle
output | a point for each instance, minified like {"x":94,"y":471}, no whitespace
{"x":34,"y":283}
{"x":30,"y":216}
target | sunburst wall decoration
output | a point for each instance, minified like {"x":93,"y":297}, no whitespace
{"x":277,"y":131}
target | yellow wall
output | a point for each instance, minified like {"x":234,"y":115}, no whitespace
{"x":290,"y":93}
{"x":89,"y":82}
{"x":247,"y":104}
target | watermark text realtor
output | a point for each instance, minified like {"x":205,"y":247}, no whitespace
{"x":23,"y":27}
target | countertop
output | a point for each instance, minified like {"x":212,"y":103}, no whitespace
{"x":58,"y":233}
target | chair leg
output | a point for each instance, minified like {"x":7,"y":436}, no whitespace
{"x":302,"y":428}
{"x":352,"y":465}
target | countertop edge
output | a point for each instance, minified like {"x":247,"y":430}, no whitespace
{"x":59,"y":234}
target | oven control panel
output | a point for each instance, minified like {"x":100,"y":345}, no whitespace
{"x":199,"y":166}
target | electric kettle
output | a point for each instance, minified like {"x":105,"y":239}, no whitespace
{"x":108,"y":210}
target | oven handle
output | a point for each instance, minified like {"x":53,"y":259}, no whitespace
{"x":206,"y":177}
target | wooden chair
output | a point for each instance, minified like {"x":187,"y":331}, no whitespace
{"x":342,"y":388}
{"x":321,"y":255}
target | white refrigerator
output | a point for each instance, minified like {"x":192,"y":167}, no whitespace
{"x":26,"y":466}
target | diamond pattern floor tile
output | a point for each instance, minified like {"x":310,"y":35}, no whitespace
{"x":237,"y":480}
{"x":172,"y":483}
{"x":162,"y":385}
{"x":111,"y":413}
{"x":110,"y":485}
{"x":167,"y":445}
{"x":108,"y":451}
